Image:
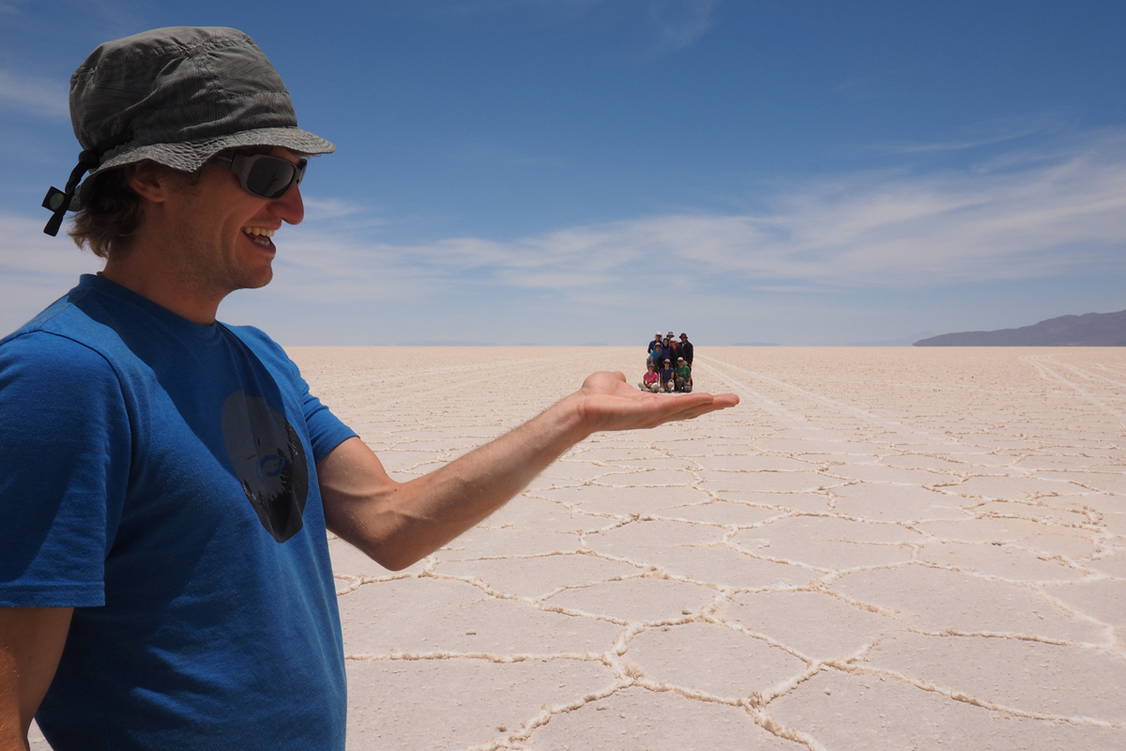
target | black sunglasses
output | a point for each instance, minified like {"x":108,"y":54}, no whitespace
{"x":264,"y":175}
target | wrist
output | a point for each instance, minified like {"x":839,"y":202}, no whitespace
{"x":571,"y":419}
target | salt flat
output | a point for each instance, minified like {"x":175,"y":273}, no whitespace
{"x":896,"y":548}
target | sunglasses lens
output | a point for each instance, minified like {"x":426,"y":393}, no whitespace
{"x":271,"y":176}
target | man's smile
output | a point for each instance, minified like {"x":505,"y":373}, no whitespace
{"x":260,"y":236}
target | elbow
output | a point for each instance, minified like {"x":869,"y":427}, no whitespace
{"x":394,"y":562}
{"x":392,"y":556}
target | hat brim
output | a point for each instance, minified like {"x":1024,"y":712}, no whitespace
{"x":189,"y":156}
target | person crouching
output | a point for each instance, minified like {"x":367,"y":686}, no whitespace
{"x":668,"y":377}
{"x":650,"y":381}
{"x":683,"y":375}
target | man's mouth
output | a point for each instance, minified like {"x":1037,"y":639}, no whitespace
{"x":260,"y":236}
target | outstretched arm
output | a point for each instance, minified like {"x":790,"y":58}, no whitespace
{"x":399,"y":523}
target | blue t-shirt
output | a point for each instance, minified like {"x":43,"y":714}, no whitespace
{"x":159,"y":476}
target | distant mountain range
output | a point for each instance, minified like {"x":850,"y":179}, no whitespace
{"x":1089,"y":330}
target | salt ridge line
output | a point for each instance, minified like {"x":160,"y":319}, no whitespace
{"x":875,"y":419}
{"x":862,"y":413}
{"x":1079,"y":371}
{"x":1050,"y":375}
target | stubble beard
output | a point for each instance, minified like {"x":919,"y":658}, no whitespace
{"x":211,"y":272}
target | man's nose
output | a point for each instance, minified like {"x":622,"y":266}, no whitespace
{"x":289,"y":208}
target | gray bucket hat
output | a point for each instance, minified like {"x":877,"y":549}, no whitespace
{"x":177,"y":96}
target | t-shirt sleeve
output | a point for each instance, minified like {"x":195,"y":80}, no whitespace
{"x":64,"y":470}
{"x":326,"y":431}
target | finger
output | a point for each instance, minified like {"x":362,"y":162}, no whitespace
{"x":721,"y":401}
{"x":702,"y":411}
{"x":671,"y":404}
{"x":671,"y":410}
{"x":686,"y":408}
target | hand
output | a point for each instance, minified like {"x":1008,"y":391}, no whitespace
{"x":607,"y":402}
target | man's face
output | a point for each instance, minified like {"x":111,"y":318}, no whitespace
{"x":221,"y":234}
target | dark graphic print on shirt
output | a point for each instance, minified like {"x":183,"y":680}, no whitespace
{"x":269,"y":462}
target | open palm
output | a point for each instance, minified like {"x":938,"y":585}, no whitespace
{"x":609,"y":403}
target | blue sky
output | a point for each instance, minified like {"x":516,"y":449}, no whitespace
{"x":590,"y":171}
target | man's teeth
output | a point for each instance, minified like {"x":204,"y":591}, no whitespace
{"x":259,"y":235}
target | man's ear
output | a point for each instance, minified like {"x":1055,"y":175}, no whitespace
{"x":151,"y":181}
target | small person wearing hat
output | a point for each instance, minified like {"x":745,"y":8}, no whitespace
{"x":656,"y":350}
{"x":686,"y":348}
{"x":683,"y":375}
{"x":668,"y":376}
{"x":672,"y":348}
{"x":650,"y":380}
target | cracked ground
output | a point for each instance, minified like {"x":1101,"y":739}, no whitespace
{"x":899,"y":548}
{"x":878,"y":549}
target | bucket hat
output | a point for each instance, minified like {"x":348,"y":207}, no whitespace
{"x":177,"y":96}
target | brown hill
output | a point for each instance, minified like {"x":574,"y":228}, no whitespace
{"x":1089,"y":330}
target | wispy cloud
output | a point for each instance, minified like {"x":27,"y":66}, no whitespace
{"x":957,"y":145}
{"x":1066,"y":211}
{"x":1062,"y":213}
{"x":43,"y":97}
{"x":318,"y":209}
{"x":462,"y":8}
{"x":27,"y":254}
{"x":673,"y":24}
{"x":680,"y":23}
{"x":987,"y":134}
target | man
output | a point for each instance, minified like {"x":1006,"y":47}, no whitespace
{"x":672,"y":348}
{"x":654,"y":345}
{"x":658,"y":354}
{"x":166,"y":480}
{"x":667,"y":375}
{"x":683,"y":376}
{"x":686,"y":348}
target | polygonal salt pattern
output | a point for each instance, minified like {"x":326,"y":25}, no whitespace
{"x":902,"y":548}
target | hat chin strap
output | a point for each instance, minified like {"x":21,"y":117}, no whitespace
{"x":58,"y":201}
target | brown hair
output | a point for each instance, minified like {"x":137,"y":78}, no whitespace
{"x":112,"y":213}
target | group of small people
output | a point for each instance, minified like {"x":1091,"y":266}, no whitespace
{"x":668,"y":366}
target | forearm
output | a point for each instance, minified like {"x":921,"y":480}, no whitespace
{"x":408,"y":521}
{"x":445,"y":503}
{"x":398,"y":523}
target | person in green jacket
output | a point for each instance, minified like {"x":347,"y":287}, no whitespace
{"x":683,"y":375}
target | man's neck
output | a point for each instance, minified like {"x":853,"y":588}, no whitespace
{"x":178,"y":292}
